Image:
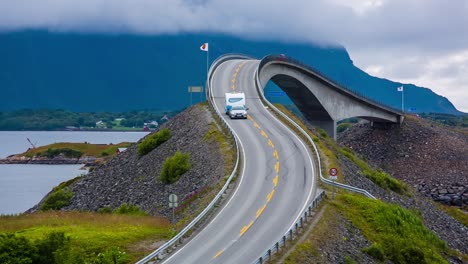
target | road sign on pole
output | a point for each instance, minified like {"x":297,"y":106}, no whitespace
{"x":333,"y":176}
{"x":173,"y":203}
{"x":195,"y":89}
{"x":333,"y":173}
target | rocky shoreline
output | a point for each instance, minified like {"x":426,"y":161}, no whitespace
{"x":58,"y":160}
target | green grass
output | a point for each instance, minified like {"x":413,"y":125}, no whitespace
{"x":457,"y":213}
{"x":94,"y":150}
{"x":396,"y":233}
{"x":153,"y":141}
{"x":92,"y":232}
{"x":226,"y":146}
{"x":379,"y":177}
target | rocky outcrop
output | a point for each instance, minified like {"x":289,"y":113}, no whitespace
{"x":432,"y":159}
{"x":133,"y":179}
{"x":58,"y":160}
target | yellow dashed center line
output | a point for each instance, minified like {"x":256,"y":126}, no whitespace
{"x":260,"y":211}
{"x":234,"y":76}
{"x":270,"y":195}
{"x":275,"y":154}
{"x":274,"y":181}
{"x":219,"y":253}
{"x":270,"y":143}
{"x":245,"y":228}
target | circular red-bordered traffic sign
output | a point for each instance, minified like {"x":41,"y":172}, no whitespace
{"x":333,"y":172}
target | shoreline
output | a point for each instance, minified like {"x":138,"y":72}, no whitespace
{"x":86,"y":161}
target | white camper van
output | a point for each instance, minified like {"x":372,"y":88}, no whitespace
{"x":235,"y":105}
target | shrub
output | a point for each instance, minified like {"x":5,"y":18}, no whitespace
{"x":129,"y":209}
{"x":56,"y":200}
{"x":343,"y":126}
{"x":105,"y":210}
{"x":19,"y":249}
{"x":153,"y":141}
{"x":375,"y":252}
{"x":174,"y":167}
{"x":67,"y":152}
{"x":49,"y":245}
{"x":16,"y":249}
{"x":112,"y":256}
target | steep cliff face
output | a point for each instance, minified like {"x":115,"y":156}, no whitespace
{"x":133,"y":179}
{"x":431,"y":158}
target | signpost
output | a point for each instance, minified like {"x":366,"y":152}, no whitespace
{"x":195,"y":89}
{"x":333,"y":176}
{"x":173,"y":203}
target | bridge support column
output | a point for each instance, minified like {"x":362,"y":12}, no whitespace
{"x":328,"y":125}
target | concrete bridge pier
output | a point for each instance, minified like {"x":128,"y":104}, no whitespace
{"x":328,"y":125}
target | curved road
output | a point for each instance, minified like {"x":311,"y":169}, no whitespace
{"x":275,"y":185}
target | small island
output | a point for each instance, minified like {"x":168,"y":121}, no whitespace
{"x":67,"y":153}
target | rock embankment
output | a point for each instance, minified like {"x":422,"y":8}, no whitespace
{"x":432,"y":159}
{"x":133,"y":179}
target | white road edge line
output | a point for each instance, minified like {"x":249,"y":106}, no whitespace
{"x":241,"y":177}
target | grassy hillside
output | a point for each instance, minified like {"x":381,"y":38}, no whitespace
{"x":89,"y":234}
{"x":80,"y":149}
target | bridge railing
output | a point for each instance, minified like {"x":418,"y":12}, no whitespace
{"x":177,"y":239}
{"x":291,"y":61}
{"x":289,"y":235}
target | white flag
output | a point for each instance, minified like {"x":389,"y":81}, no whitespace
{"x":400,"y":89}
{"x":204,"y":47}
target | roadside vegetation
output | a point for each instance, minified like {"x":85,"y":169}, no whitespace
{"x":174,"y":167}
{"x":460,"y":121}
{"x":153,"y":141}
{"x":196,"y":203}
{"x":75,"y":150}
{"x":395,"y":234}
{"x":59,"y":197}
{"x":78,"y":237}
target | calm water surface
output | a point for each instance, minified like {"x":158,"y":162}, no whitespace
{"x":23,"y":186}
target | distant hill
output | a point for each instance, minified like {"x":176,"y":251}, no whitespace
{"x":91,"y":72}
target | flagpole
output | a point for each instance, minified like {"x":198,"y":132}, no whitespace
{"x":207,"y":62}
{"x":403,"y":100}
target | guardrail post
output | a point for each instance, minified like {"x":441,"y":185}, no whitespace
{"x":301,"y":224}
{"x":291,"y":234}
{"x":260,"y":260}
{"x":277,"y":247}
{"x":269,"y":254}
{"x":284,"y":241}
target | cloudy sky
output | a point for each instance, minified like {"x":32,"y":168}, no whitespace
{"x":424,"y":42}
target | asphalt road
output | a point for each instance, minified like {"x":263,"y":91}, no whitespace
{"x":276,"y":183}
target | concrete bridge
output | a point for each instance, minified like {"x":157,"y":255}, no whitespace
{"x":322,"y":101}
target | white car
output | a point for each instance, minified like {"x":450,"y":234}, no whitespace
{"x":238,"y":111}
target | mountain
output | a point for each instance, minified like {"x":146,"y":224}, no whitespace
{"x":95,"y":72}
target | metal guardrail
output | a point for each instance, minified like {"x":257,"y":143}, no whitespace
{"x":299,"y":128}
{"x":289,"y":235}
{"x":176,"y":239}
